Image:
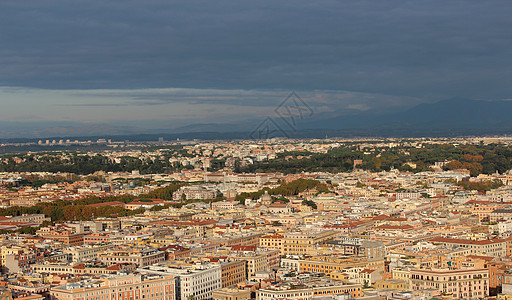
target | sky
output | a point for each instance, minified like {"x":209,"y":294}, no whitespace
{"x":166,"y":64}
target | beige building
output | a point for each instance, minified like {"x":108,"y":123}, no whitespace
{"x":310,"y":290}
{"x":197,"y":281}
{"x":231,"y":294}
{"x":116,"y":287}
{"x":391,"y":284}
{"x":34,"y":218}
{"x":272,"y":241}
{"x":401,"y":274}
{"x":67,"y":269}
{"x":233,"y":272}
{"x":139,"y":257}
{"x":327,"y":265}
{"x":494,"y":247}
{"x":84,"y":253}
{"x":255,"y":263}
{"x":462,"y":284}
{"x":304,"y":243}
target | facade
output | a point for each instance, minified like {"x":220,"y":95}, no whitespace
{"x":33,"y":218}
{"x":97,"y":238}
{"x":408,"y":194}
{"x":501,"y":214}
{"x":391,"y":284}
{"x":139,"y":257}
{"x":233,"y":272}
{"x":225,"y":204}
{"x":231,"y":294}
{"x":193,"y":192}
{"x":484,"y":211}
{"x":272,"y":241}
{"x":255,"y":263}
{"x":243,"y":240}
{"x":16,"y":258}
{"x":328,"y":265}
{"x":310,"y":290}
{"x":494,"y":247}
{"x":84,"y":253}
{"x":107,"y":224}
{"x":198,"y":281}
{"x":118,"y":287}
{"x":66,"y":269}
{"x":462,"y":284}
{"x":66,"y":237}
{"x":359,"y":247}
{"x":300,"y":244}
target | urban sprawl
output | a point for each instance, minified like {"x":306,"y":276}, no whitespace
{"x":426,"y":218}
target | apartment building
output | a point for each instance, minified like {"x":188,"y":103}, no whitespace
{"x":230,"y":294}
{"x":501,"y":214}
{"x":28,"y":218}
{"x":194,"y":192}
{"x":197,"y":281}
{"x":254,"y":262}
{"x":308,"y":290}
{"x":355,"y":246}
{"x":328,"y":265}
{"x":97,"y":238}
{"x":18,"y":258}
{"x":139,"y":257}
{"x":304,"y":243}
{"x":251,"y":239}
{"x":67,"y":237}
{"x":484,"y":211}
{"x":493,"y":247}
{"x":225,"y":205}
{"x":233,"y":272}
{"x":80,"y":269}
{"x":84,"y":253}
{"x":408,"y":194}
{"x":118,"y":287}
{"x":462,"y":284}
{"x":272,"y":241}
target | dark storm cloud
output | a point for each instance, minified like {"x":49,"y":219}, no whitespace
{"x":412,"y":48}
{"x":319,"y":100}
{"x":151,"y":97}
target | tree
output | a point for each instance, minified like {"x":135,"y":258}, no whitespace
{"x":359,"y":184}
{"x":310,"y":203}
{"x":27,"y":230}
{"x":240,"y":199}
{"x":366,"y":284}
{"x":276,"y":223}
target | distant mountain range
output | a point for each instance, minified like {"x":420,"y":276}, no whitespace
{"x":445,"y":118}
{"x":61,"y":129}
{"x":448,"y":114}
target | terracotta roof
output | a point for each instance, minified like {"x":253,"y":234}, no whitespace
{"x":403,"y":227}
{"x":112,"y":203}
{"x":466,"y":242}
{"x":243,"y":248}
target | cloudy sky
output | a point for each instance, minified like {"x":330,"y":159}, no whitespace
{"x":172,"y":63}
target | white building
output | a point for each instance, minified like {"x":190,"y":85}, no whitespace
{"x":504,"y":227}
{"x":199,"y":280}
{"x":84,"y":253}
